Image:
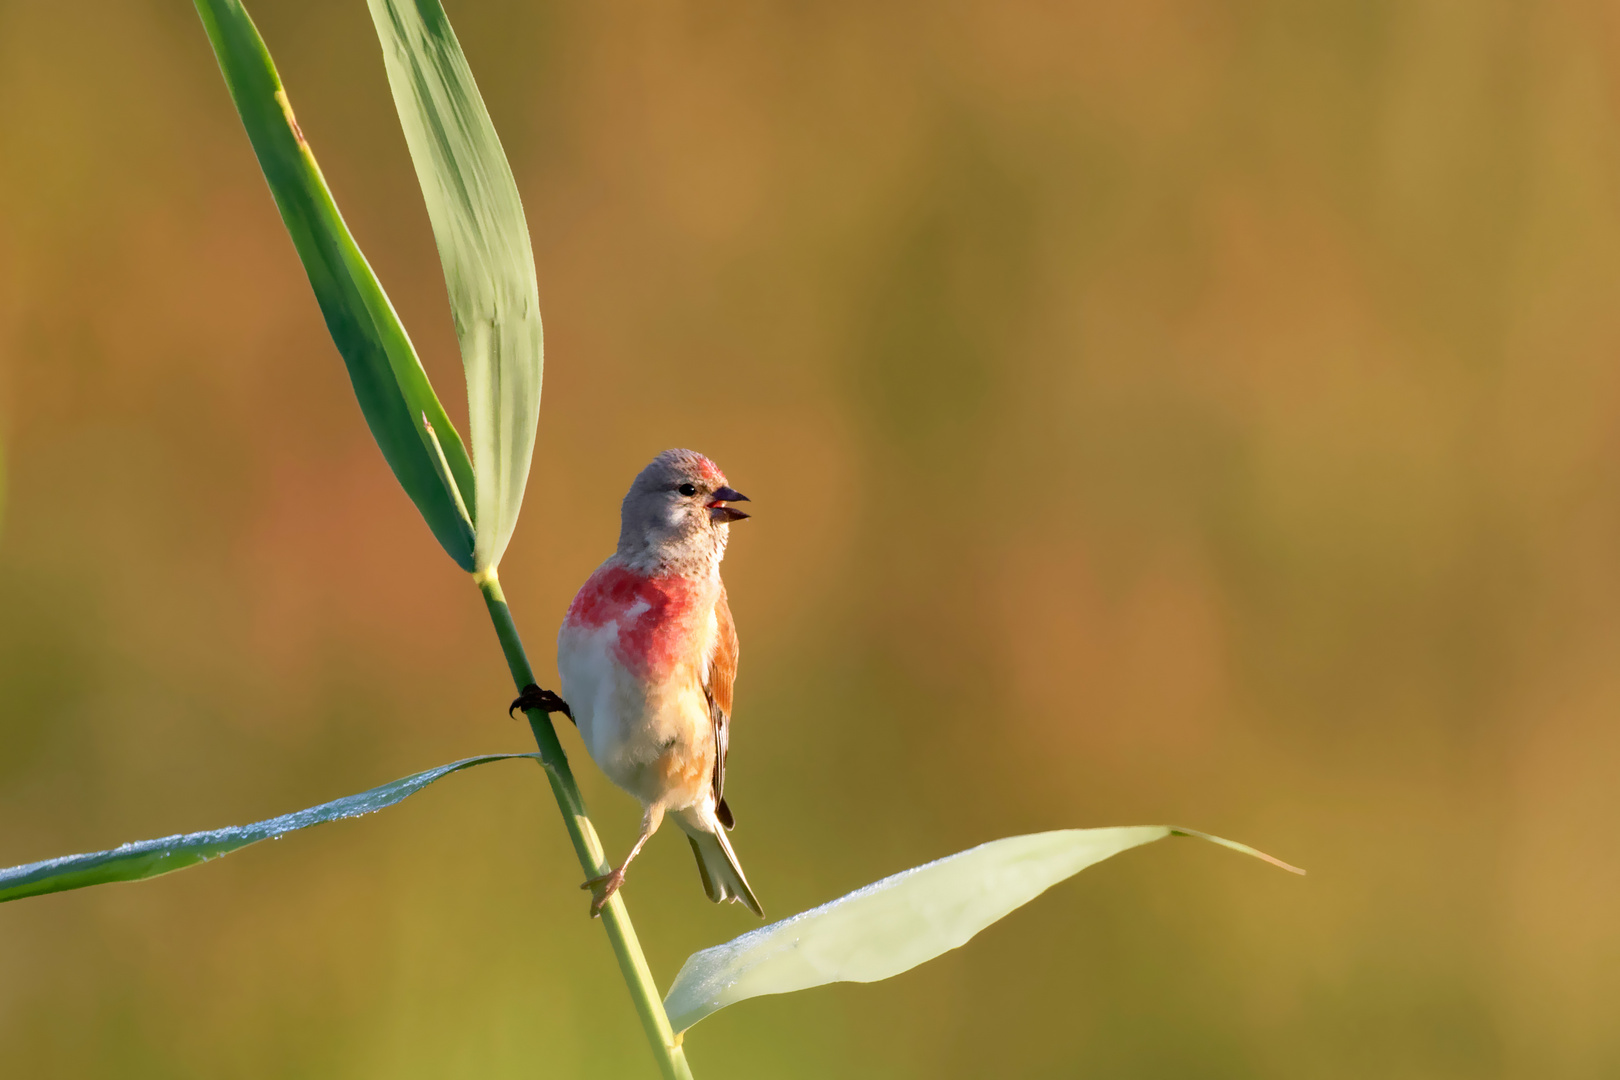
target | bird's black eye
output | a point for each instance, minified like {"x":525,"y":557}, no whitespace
{"x":687,"y":489}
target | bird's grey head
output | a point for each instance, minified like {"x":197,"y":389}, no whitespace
{"x":675,"y":517}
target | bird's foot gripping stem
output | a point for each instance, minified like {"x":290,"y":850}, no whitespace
{"x":532,"y":697}
{"x":602,"y":888}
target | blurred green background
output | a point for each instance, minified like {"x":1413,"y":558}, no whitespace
{"x":1168,"y":411}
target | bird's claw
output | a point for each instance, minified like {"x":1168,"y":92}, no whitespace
{"x":603,"y":887}
{"x":532,"y":697}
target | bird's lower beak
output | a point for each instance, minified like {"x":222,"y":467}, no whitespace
{"x":718,"y":511}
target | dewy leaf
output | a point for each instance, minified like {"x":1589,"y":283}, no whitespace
{"x":149,"y":858}
{"x":483,"y":241}
{"x":895,"y":924}
{"x":388,"y":379}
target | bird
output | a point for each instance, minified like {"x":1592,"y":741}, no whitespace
{"x":647,"y":655}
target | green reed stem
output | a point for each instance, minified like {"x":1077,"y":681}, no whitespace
{"x":615,"y":918}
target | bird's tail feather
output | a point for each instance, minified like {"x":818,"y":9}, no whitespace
{"x":722,"y":877}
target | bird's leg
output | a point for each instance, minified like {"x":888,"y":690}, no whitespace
{"x":608,"y":884}
{"x":532,"y":697}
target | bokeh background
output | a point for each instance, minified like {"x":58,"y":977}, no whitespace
{"x":1170,"y":411}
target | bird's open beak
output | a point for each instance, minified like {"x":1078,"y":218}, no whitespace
{"x":718,"y":511}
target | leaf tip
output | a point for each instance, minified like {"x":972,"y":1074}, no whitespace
{"x":1176,"y":830}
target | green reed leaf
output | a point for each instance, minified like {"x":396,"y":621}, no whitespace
{"x":895,"y":924}
{"x":149,"y":858}
{"x":483,"y":241}
{"x":399,"y":404}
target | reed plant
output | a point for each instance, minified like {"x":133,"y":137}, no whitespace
{"x":470,"y":500}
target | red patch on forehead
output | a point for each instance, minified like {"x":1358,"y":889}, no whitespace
{"x":656,"y":617}
{"x":710,"y":469}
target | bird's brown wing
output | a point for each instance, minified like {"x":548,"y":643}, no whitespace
{"x":722,"y":674}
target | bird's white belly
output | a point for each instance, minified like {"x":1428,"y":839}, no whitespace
{"x":627,"y":722}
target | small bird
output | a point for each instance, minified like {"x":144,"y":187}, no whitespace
{"x":648,"y":657}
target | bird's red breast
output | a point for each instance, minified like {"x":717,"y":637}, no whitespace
{"x":659,"y":616}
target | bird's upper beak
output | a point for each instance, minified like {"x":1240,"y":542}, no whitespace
{"x":718,"y":511}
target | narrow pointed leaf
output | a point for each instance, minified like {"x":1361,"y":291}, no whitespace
{"x":483,"y":241}
{"x":149,"y":858}
{"x":895,"y":924}
{"x":393,"y":390}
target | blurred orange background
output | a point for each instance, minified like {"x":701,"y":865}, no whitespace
{"x":1184,"y":412}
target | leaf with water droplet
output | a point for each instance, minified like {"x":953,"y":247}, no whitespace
{"x":149,"y":858}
